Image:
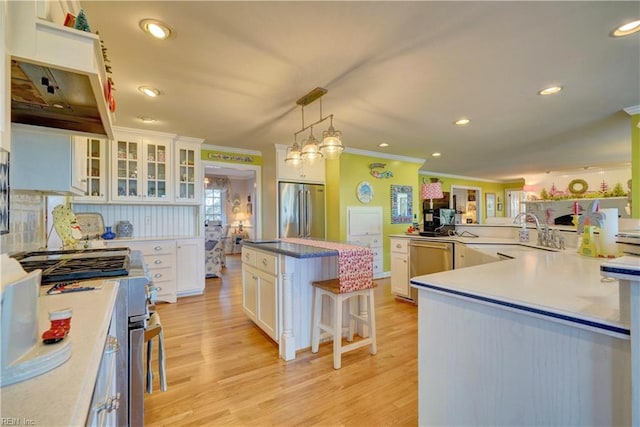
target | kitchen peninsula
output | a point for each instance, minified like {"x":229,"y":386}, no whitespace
{"x":539,"y":337}
{"x":276,"y":285}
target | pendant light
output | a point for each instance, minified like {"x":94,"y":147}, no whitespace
{"x":331,"y":146}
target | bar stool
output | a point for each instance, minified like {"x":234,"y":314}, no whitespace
{"x":331,"y":288}
{"x":154,"y":329}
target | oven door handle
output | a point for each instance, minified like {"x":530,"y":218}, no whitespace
{"x":444,"y":247}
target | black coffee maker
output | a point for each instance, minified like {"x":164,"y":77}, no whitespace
{"x":437,"y":222}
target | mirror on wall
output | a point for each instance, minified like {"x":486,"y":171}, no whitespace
{"x":401,"y":204}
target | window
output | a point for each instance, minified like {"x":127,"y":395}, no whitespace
{"x":213,"y":212}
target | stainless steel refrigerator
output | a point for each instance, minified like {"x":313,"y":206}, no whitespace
{"x":302,"y":212}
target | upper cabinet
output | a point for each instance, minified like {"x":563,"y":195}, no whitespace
{"x":92,"y":156}
{"x":187,"y":170}
{"x":312,"y":173}
{"x":46,"y":161}
{"x":141,"y":167}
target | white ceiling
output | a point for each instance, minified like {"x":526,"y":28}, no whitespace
{"x":396,"y":72}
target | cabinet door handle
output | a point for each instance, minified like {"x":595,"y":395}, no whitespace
{"x":157,"y":261}
{"x":398,"y":246}
{"x":157,"y":275}
{"x":264,"y":262}
{"x":157,"y":248}
{"x":254,"y":277}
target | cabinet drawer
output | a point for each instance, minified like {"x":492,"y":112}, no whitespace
{"x":249,"y":256}
{"x":157,"y":261}
{"x":162,"y":274}
{"x":151,"y":248}
{"x":267,"y":263}
{"x":377,"y":266}
{"x":400,"y":245}
{"x":377,"y":253}
{"x":370,"y":240}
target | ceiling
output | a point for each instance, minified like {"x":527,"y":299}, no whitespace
{"x":396,"y":72}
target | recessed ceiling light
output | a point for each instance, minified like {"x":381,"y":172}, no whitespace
{"x":149,"y":91}
{"x":626,"y":29}
{"x":550,"y":90}
{"x":383,"y":144}
{"x":147,"y":119}
{"x":436,"y":154}
{"x":462,"y":122}
{"x":156,"y":29}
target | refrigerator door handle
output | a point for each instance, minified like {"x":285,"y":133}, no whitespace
{"x":301,"y":211}
{"x":307,"y":222}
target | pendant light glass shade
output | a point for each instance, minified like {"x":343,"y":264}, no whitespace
{"x":331,"y":146}
{"x":310,"y":151}
{"x":293,"y":155}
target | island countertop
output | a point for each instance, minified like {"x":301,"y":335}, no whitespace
{"x":561,"y":286}
{"x":294,"y":250}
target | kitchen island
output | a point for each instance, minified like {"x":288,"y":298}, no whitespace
{"x":277,"y":292}
{"x":538,"y":339}
{"x":63,"y":396}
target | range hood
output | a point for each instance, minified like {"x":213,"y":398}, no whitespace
{"x":58,"y":77}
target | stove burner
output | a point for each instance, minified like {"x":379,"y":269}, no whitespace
{"x":62,"y":269}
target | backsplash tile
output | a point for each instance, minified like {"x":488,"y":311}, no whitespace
{"x":26,"y":222}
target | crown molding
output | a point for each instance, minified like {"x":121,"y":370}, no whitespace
{"x":384,"y":155}
{"x":471,"y":178}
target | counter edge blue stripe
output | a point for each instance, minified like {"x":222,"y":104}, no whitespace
{"x":610,"y":328}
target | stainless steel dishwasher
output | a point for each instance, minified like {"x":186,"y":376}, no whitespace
{"x":426,"y":257}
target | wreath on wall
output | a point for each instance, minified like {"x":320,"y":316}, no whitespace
{"x":578,"y":186}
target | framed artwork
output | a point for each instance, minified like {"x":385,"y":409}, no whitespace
{"x":401,"y":204}
{"x":4,"y":191}
{"x":490,"y":203}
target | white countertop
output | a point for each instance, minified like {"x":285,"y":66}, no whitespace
{"x":562,"y":286}
{"x":62,"y":396}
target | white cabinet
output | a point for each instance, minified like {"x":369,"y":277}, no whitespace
{"x":364,"y":227}
{"x":305,"y":172}
{"x":187,"y":171}
{"x":47,"y":162}
{"x":260,"y":290}
{"x":467,"y":256}
{"x":93,"y":158}
{"x":141,"y":167}
{"x":190,"y":274}
{"x":400,"y":267}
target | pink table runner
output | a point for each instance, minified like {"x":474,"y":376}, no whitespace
{"x":355,"y":263}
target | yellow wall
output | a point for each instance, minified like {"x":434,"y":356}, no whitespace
{"x":498,"y":188}
{"x":343,"y":177}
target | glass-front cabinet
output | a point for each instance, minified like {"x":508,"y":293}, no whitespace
{"x":188,"y":177}
{"x":94,"y":156}
{"x":141,"y":169}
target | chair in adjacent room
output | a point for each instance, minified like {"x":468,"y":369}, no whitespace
{"x":215,"y":246}
{"x":332,"y":290}
{"x":154,"y":330}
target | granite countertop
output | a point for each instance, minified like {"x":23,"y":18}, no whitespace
{"x":293,"y":250}
{"x":562,"y":286}
{"x":63,"y":395}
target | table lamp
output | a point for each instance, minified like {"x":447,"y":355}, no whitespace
{"x":431,"y":190}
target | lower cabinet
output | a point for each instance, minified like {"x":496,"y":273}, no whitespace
{"x":190,"y":274}
{"x":260,"y":290}
{"x":176,"y":267}
{"x":400,"y":268}
{"x":467,"y":256}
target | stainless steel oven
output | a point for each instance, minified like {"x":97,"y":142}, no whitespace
{"x":132,"y":310}
{"x":426,"y":257}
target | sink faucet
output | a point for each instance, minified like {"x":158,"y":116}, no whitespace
{"x":523,"y":235}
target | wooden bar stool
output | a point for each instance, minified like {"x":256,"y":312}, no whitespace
{"x":154,"y":329}
{"x":331,"y":288}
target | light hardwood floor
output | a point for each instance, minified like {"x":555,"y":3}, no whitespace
{"x":223,"y":371}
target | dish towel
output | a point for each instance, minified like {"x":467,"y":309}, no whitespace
{"x":355,"y":263}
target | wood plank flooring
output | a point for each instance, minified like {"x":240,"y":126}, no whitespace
{"x":222,"y":370}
